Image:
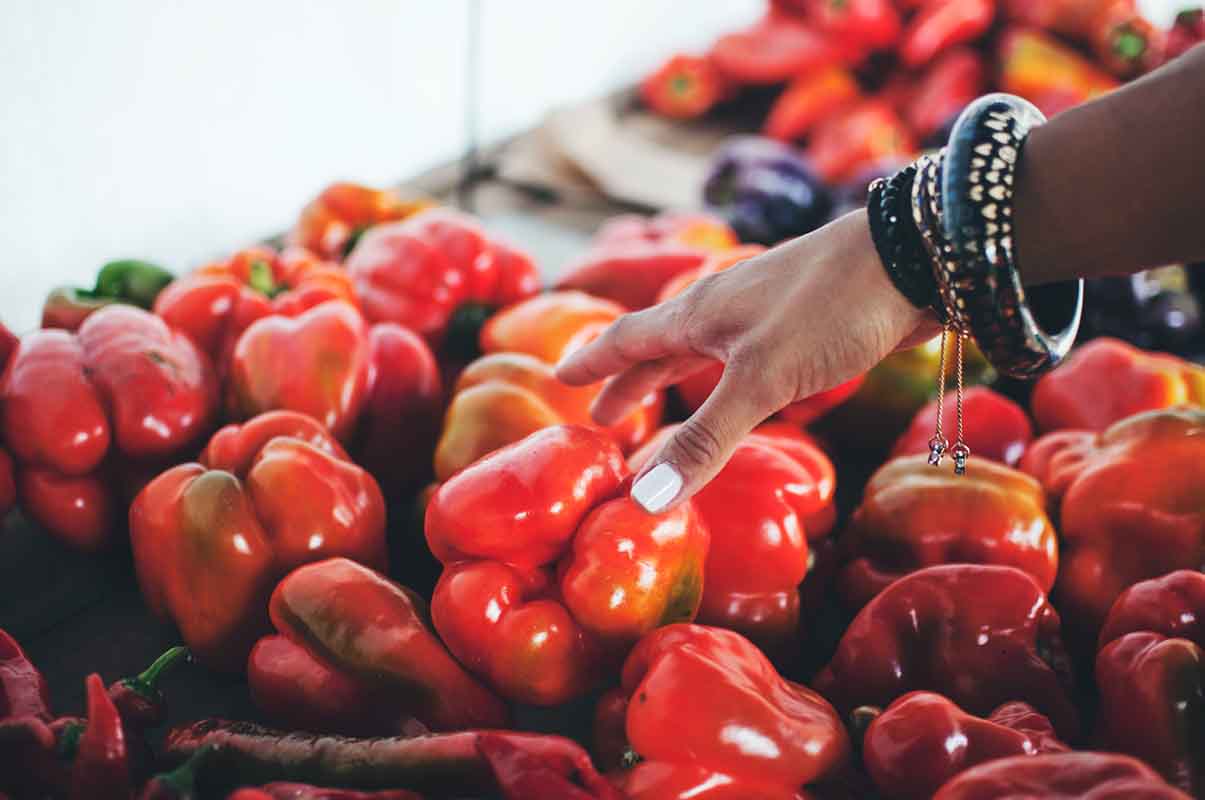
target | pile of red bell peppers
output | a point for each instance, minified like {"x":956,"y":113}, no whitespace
{"x":259,"y":429}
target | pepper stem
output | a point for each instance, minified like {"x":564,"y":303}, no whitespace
{"x":148,"y":679}
{"x":1129,"y":44}
{"x":183,"y":779}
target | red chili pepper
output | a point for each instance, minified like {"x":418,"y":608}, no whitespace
{"x":23,"y":691}
{"x":809,"y":99}
{"x":776,"y":49}
{"x":996,"y":427}
{"x":683,"y":87}
{"x":873,"y":24}
{"x":139,"y":699}
{"x":942,"y":24}
{"x":1060,"y":776}
{"x":954,"y":80}
{"x":101,"y":770}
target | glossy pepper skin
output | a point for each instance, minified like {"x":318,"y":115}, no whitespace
{"x":1119,"y":36}
{"x":808,"y":99}
{"x":549,"y":326}
{"x":127,"y":281}
{"x":773,"y":497}
{"x":776,"y":49}
{"x":215,"y":303}
{"x":706,"y":749}
{"x":683,"y":87}
{"x":124,"y":392}
{"x":923,"y":739}
{"x":1107,"y":380}
{"x":1151,"y":673}
{"x":939,"y":25}
{"x":914,"y":516}
{"x":550,"y":569}
{"x":502,"y":397}
{"x":420,"y":272}
{"x":316,"y":364}
{"x":631,"y":257}
{"x":1060,"y":776}
{"x":1130,"y":503}
{"x":996,"y":428}
{"x":374,"y":632}
{"x":212,"y":538}
{"x":101,"y":770}
{"x":1046,"y":72}
{"x":332,"y":222}
{"x":858,"y":137}
{"x":985,"y":635}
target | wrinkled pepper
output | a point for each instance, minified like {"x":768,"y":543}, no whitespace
{"x":923,"y":739}
{"x":710,"y":717}
{"x":1119,"y":36}
{"x":996,"y":427}
{"x":683,"y":87}
{"x":1060,"y":776}
{"x":215,"y":303}
{"x":333,"y":221}
{"x":1130,"y":503}
{"x":446,"y":765}
{"x":913,"y":516}
{"x":550,"y":569}
{"x":374,"y":632}
{"x":809,"y":99}
{"x":424,"y":272}
{"x":521,"y":774}
{"x":129,"y":281}
{"x":631,"y":257}
{"x":1151,"y":675}
{"x":1046,"y":72}
{"x":1187,"y":31}
{"x":80,"y":411}
{"x":858,"y":137}
{"x":982,"y":634}
{"x":946,"y":87}
{"x":778,"y":48}
{"x":1107,"y":380}
{"x":939,"y":25}
{"x":211,"y":539}
{"x":772,"y":498}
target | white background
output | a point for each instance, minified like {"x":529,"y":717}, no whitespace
{"x":178,"y":130}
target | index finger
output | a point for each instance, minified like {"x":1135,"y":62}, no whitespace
{"x":632,"y":339}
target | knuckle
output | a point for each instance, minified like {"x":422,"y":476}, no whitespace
{"x":697,"y":444}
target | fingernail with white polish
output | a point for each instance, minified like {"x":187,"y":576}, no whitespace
{"x":657,"y":488}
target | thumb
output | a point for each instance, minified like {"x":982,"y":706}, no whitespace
{"x":700,"y":447}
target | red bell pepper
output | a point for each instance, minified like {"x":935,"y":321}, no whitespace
{"x":872,"y":24}
{"x":1044,"y":71}
{"x":334,"y":220}
{"x":8,"y":479}
{"x":914,"y":516}
{"x":78,"y":409}
{"x":996,"y":427}
{"x":373,"y":635}
{"x":211,"y":539}
{"x":1119,"y":36}
{"x":710,"y":717}
{"x":1107,"y":380}
{"x":984,"y":635}
{"x":773,"y":497}
{"x":1060,"y":776}
{"x":550,"y":569}
{"x":778,"y":48}
{"x":127,"y":281}
{"x":316,"y":363}
{"x":942,"y":24}
{"x":419,"y":273}
{"x":923,"y":739}
{"x":684,"y":86}
{"x":102,"y":769}
{"x":632,"y":257}
{"x":946,"y":87}
{"x":1151,"y":674}
{"x":217,"y":302}
{"x":857,"y":137}
{"x":1129,"y":503}
{"x":808,"y":100}
{"x":1187,"y":31}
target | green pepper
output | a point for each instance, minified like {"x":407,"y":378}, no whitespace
{"x":128,"y":281}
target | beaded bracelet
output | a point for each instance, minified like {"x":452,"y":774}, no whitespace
{"x":897,"y":241}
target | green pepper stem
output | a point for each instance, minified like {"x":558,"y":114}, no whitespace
{"x":184,"y":777}
{"x":150,"y":676}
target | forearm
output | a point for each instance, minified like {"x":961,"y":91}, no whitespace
{"x":1117,"y":185}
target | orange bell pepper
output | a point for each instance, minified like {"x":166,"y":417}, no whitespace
{"x":333,"y":221}
{"x":1047,"y":73}
{"x":550,"y":570}
{"x":809,"y":99}
{"x":212,"y":538}
{"x":864,"y":134}
{"x":1130,"y":502}
{"x":915,"y":516}
{"x":1120,"y":37}
{"x":1107,"y":380}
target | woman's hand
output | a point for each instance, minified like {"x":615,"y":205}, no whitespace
{"x":796,"y":320}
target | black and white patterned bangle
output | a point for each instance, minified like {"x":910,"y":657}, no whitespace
{"x":1021,"y":332}
{"x":897,"y":239}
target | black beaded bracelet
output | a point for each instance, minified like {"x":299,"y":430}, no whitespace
{"x":897,"y":240}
